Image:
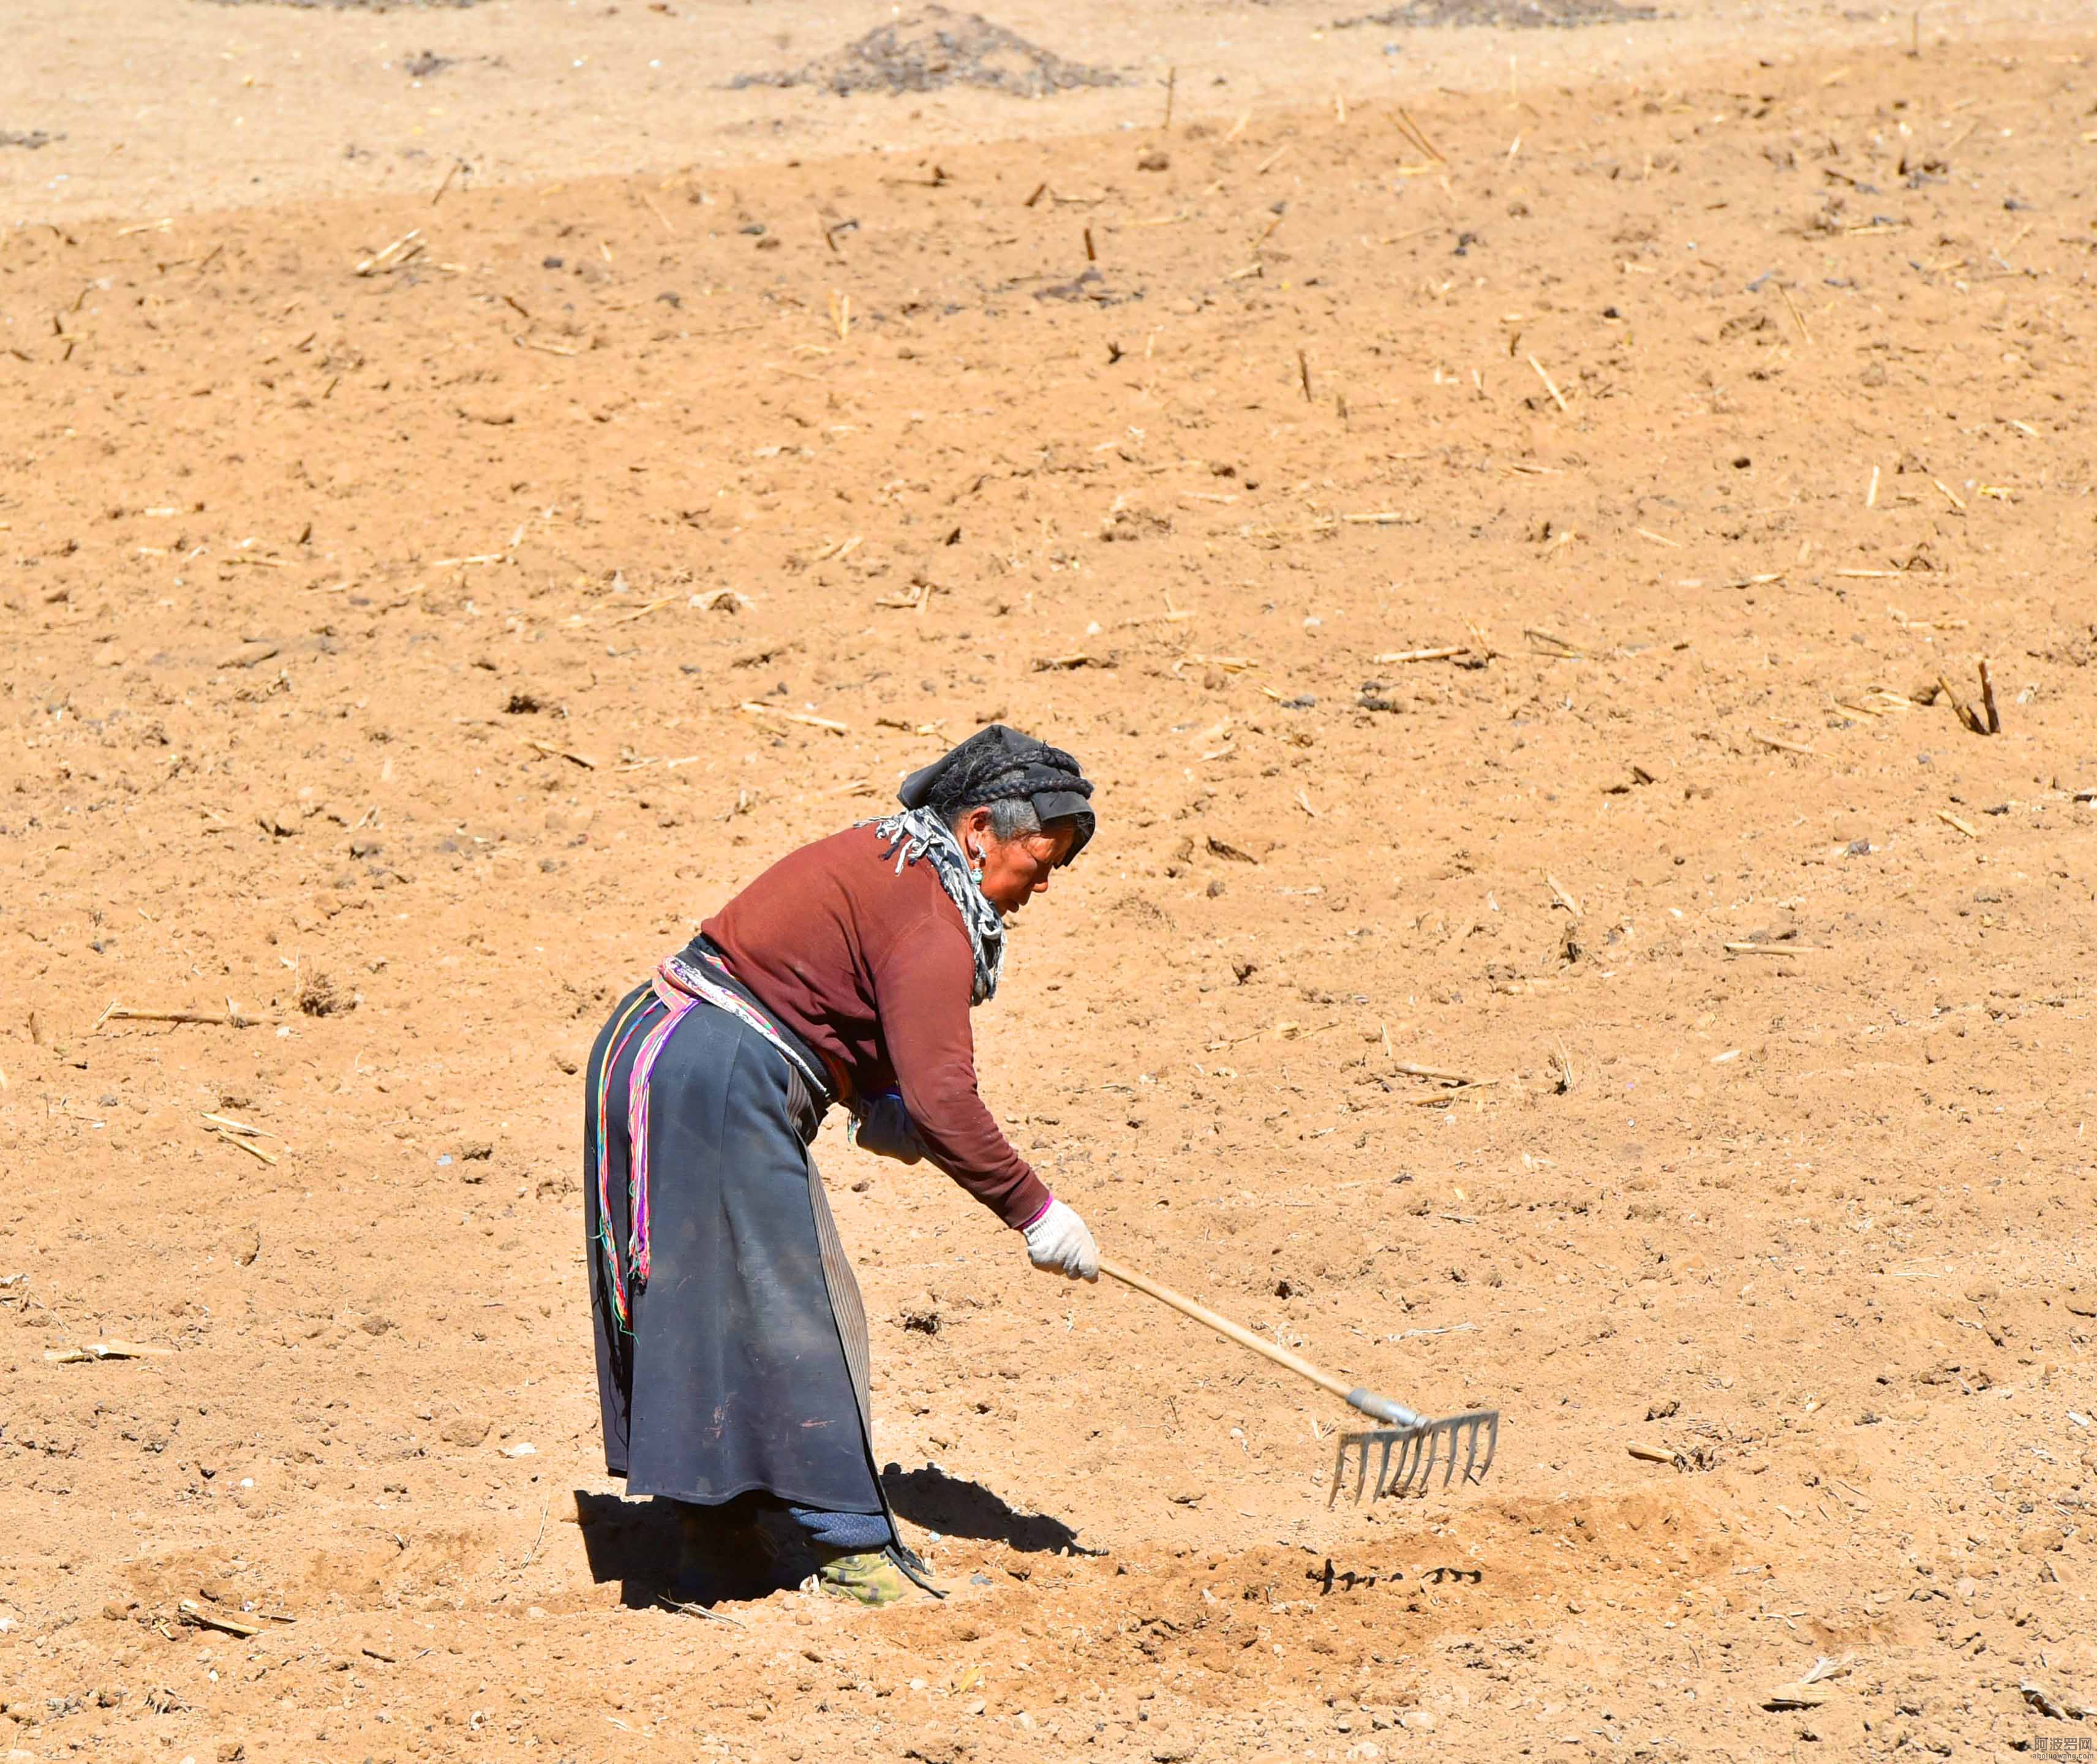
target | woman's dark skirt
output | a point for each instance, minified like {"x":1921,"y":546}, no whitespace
{"x":745,"y":1366}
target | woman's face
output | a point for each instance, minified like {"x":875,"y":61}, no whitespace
{"x":1014,"y":870}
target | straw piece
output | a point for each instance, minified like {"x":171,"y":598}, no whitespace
{"x":193,"y":1613}
{"x":1960,"y":708}
{"x":552,"y":752}
{"x":754,"y":709}
{"x":1798,"y":317}
{"x":383,"y":257}
{"x":230,"y":1018}
{"x":1419,"y":655}
{"x":74,"y":1356}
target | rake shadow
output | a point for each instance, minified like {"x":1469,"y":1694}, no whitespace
{"x":955,"y":1509}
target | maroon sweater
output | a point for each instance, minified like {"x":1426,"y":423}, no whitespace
{"x":873,"y":970}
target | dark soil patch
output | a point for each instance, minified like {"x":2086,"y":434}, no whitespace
{"x":925,"y":50}
{"x":1089,"y":285}
{"x":32,"y":138}
{"x":1516,"y":14}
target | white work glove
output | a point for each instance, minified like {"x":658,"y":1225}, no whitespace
{"x":1059,"y":1243}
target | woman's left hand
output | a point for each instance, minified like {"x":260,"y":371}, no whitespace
{"x":884,"y":1128}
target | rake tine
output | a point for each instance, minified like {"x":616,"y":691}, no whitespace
{"x":1408,"y":1466}
{"x":1383,"y":1467}
{"x":1480,"y":1437}
{"x":1471,"y":1433}
{"x":1339,"y":1470}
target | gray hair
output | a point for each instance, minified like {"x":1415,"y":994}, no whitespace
{"x":1011,"y":817}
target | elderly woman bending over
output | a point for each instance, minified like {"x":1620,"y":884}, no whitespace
{"x":731,"y":1343}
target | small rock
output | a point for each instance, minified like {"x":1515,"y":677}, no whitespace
{"x":1156,"y":160}
{"x":465,"y":1430}
{"x":376,"y":1324}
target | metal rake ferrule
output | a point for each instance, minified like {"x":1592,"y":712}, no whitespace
{"x":1408,"y":1454}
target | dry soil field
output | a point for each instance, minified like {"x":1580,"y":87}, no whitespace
{"x":1517,"y":556}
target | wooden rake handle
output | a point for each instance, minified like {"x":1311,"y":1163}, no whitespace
{"x":1186,"y":1307}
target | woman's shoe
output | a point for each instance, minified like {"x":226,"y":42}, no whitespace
{"x":866,"y":1577}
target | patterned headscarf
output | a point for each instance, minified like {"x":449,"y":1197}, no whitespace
{"x":994,"y":765}
{"x":1000,"y":764}
{"x":918,"y":832}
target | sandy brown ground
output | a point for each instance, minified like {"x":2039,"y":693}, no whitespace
{"x":159,"y":107}
{"x":411,"y":658}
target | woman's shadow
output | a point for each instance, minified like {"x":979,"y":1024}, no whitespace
{"x":644,"y":1545}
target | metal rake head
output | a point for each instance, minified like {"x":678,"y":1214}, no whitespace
{"x":1407,"y":1457}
